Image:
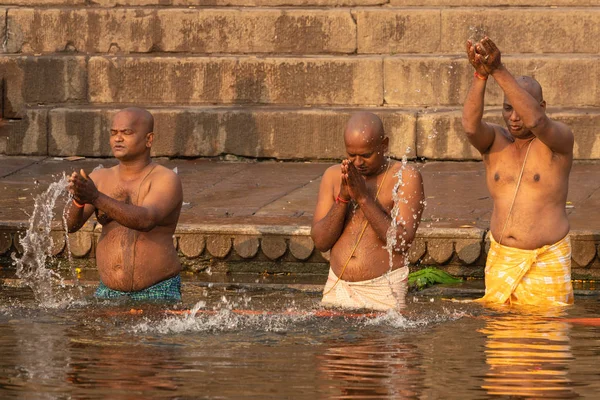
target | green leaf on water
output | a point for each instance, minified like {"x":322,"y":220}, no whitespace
{"x":430,"y":276}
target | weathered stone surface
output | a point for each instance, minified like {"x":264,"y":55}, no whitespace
{"x":273,"y":246}
{"x":81,"y":132}
{"x":44,"y":3}
{"x":246,"y":246}
{"x":440,"y":250}
{"x":58,"y":242}
{"x":26,"y":136}
{"x":248,"y":132}
{"x":244,"y":3}
{"x":417,"y":250}
{"x":219,"y":245}
{"x":391,"y":31}
{"x":144,"y":30}
{"x":192,"y":245}
{"x":3,"y":39}
{"x":229,"y":80}
{"x":301,"y":247}
{"x":80,"y":243}
{"x":522,"y":30}
{"x":583,"y":251}
{"x":5,"y":242}
{"x":444,"y":80}
{"x":440,"y":135}
{"x":41,"y":80}
{"x":468,"y":250}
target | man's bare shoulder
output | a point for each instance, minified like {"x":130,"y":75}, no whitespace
{"x":332,"y":173}
{"x":502,"y":137}
{"x":409,"y":171}
{"x":101,"y":173}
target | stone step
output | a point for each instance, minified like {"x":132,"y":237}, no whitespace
{"x":298,"y":31}
{"x":269,"y":132}
{"x":304,"y":3}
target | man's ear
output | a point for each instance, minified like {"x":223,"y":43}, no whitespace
{"x":149,"y":139}
{"x":543,"y":104}
{"x":385,"y":142}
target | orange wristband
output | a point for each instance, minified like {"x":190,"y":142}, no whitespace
{"x":478,"y":75}
{"x":339,"y":199}
{"x":77,"y":204}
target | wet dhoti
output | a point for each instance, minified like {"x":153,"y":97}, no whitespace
{"x":383,"y":293}
{"x":167,"y":290}
{"x":531,"y":277}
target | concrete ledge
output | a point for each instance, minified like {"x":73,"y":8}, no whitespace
{"x":41,"y":80}
{"x":152,"y":30}
{"x":444,"y":80}
{"x":282,"y":248}
{"x":231,"y":80}
{"x":248,"y":132}
{"x":440,"y":135}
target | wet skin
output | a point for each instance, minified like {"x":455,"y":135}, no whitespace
{"x":138,"y":204}
{"x":538,"y":216}
{"x":337,"y":225}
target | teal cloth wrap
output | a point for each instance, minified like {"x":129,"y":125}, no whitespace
{"x":167,"y":290}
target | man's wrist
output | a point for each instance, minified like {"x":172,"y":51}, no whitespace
{"x":339,"y":199}
{"x":496,"y":70}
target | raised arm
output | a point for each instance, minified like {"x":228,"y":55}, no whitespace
{"x":480,"y":134}
{"x":557,"y":136}
{"x":165,"y":196}
{"x":328,"y":221}
{"x":77,"y":216}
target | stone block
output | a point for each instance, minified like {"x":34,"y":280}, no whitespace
{"x":192,"y":245}
{"x":248,"y":132}
{"x":435,"y":81}
{"x":468,"y":250}
{"x":80,"y":243}
{"x":5,"y":242}
{"x":301,"y":247}
{"x":417,"y":250}
{"x":392,"y":31}
{"x":482,"y":4}
{"x":26,"y":136}
{"x":246,"y":246}
{"x":273,"y":246}
{"x":82,"y":132}
{"x":220,"y":3}
{"x":583,"y":249}
{"x":440,"y":250}
{"x":142,"y":30}
{"x":519,"y":30}
{"x":44,"y":3}
{"x":440,"y":135}
{"x":58,"y":242}
{"x":219,"y":245}
{"x":41,"y":80}
{"x":230,"y":80}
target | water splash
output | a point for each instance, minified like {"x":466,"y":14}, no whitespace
{"x":47,"y":285}
{"x":392,"y":244}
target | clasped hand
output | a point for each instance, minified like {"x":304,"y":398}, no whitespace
{"x":353,"y":185}
{"x":82,"y":188}
{"x":484,"y":56}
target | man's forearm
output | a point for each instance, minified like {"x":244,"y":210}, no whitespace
{"x":473,"y":108}
{"x":128,"y":215}
{"x":328,"y":230}
{"x":528,"y":108}
{"x":74,"y":218}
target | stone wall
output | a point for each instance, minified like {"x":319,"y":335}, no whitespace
{"x":278,"y":78}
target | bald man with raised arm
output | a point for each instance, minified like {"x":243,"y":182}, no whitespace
{"x":353,"y":218}
{"x":527,"y":172}
{"x":137,"y":202}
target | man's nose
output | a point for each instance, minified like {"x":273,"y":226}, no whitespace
{"x":358,"y":161}
{"x":514,"y":116}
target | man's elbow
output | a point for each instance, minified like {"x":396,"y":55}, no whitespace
{"x":320,"y":244}
{"x":536,"y":122}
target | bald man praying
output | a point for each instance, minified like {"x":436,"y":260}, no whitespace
{"x":527,"y":173}
{"x":353,"y":220}
{"x":137,"y":202}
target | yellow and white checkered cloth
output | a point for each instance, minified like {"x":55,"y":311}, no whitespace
{"x":532,"y":277}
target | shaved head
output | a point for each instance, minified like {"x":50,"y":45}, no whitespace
{"x":532,"y":87}
{"x":141,"y":118}
{"x":365,"y":126}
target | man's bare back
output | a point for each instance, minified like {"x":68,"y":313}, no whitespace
{"x":127,"y":259}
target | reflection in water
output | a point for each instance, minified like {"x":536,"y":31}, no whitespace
{"x":529,"y":355}
{"x":374,"y":368}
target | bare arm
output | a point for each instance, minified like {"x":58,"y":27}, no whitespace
{"x":410,"y":209}
{"x":78,"y":216}
{"x":557,"y":136}
{"x":480,"y":134}
{"x":164,"y":196}
{"x":328,"y":221}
